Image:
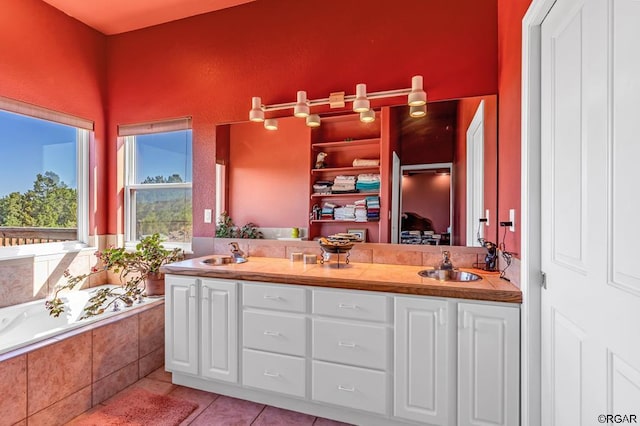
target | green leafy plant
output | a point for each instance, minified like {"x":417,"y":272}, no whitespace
{"x":133,"y":266}
{"x":225,"y":228}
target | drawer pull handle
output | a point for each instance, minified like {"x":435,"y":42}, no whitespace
{"x":346,"y":389}
{"x":271,"y":333}
{"x":267,"y":297}
{"x":347,"y":344}
{"x":347,"y":306}
{"x":269,"y":374}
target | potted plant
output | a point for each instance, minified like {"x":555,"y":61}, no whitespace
{"x":139,"y":272}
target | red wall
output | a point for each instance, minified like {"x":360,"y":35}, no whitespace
{"x":53,"y":61}
{"x":210,"y":66}
{"x":266,"y":174}
{"x":510,"y":14}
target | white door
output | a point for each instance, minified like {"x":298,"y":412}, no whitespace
{"x":488,"y":365}
{"x":219,"y":322}
{"x":424,"y":355}
{"x":475,"y":177}
{"x":590,"y":207}
{"x":181,"y":326}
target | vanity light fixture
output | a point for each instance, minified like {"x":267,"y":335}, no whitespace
{"x":256,"y":114}
{"x":416,"y":99}
{"x":313,"y":120}
{"x":302,"y":107}
{"x":361,"y":103}
{"x":418,"y":111}
{"x":368,"y":116}
{"x":417,"y":96}
{"x":271,"y":124}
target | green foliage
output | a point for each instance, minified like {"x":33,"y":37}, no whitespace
{"x":133,"y":267}
{"x":49,"y":204}
{"x":225,"y":228}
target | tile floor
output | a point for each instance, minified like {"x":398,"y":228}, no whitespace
{"x":218,"y":410}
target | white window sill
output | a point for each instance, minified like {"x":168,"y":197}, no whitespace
{"x":185,"y":247}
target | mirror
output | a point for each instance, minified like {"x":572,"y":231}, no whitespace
{"x":264,"y":176}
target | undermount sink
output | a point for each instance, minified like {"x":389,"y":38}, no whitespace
{"x":449,"y":275}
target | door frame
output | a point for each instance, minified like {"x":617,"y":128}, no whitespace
{"x":396,"y":185}
{"x":530,"y":262}
{"x":475,"y":163}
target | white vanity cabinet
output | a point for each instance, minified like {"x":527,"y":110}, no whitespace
{"x":201,"y":336}
{"x":274,"y":338}
{"x":356,"y":356}
{"x":350,"y":349}
{"x":424,"y":367}
{"x":181,"y":324}
{"x":488,"y":364}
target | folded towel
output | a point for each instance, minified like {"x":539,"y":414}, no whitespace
{"x":365,"y":162}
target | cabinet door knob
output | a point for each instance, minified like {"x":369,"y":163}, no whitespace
{"x":192,"y":290}
{"x":346,"y":389}
{"x":442,"y":317}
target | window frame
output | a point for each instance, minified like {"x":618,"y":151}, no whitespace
{"x":128,"y":134}
{"x":84,"y":132}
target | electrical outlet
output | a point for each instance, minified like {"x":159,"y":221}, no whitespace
{"x":512,"y":219}
{"x":207,"y":215}
{"x":486,"y":216}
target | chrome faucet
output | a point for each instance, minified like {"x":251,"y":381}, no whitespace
{"x":446,"y":261}
{"x":238,"y":255}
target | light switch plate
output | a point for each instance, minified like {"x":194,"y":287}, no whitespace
{"x":207,"y":215}
{"x":512,"y":219}
{"x":486,"y":216}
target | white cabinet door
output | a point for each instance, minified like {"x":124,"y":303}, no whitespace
{"x":181,"y":326}
{"x":424,"y":357}
{"x":488,"y":365}
{"x":219,"y":322}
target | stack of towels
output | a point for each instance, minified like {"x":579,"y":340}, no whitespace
{"x":347,"y":212}
{"x":344,"y":184}
{"x":368,"y":182}
{"x":360,"y":210}
{"x":373,"y":208}
{"x":322,"y":187}
{"x":327,"y":211}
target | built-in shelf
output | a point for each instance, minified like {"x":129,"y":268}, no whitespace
{"x":329,"y":146}
{"x":346,"y":170}
{"x":346,"y":195}
{"x":342,"y":221}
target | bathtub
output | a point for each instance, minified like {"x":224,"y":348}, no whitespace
{"x":28,"y":323}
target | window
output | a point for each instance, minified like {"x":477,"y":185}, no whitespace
{"x":43,"y":180}
{"x":158,"y":178}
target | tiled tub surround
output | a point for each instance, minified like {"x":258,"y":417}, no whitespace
{"x":27,"y":323}
{"x":34,"y":277}
{"x":53,"y":381}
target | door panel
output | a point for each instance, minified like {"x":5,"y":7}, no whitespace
{"x":590,"y":230}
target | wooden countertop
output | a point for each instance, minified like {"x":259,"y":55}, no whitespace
{"x":358,"y":276}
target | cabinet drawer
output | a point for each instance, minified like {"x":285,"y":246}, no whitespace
{"x":351,"y":304}
{"x":282,"y":298}
{"x":365,"y":345}
{"x":275,"y":332}
{"x":350,"y":387}
{"x":278,"y":373}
